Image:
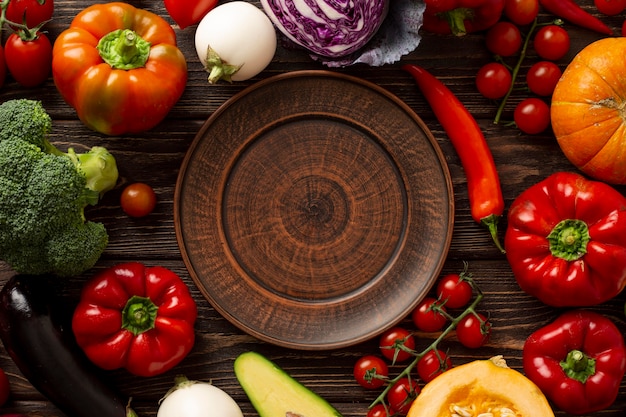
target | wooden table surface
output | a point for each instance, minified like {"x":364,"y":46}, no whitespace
{"x":155,"y":157}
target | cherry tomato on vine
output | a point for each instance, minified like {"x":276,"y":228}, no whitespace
{"x":473,"y":331}
{"x":493,"y":80}
{"x":377,"y":411}
{"x":430,"y":365}
{"x":454,"y":291}
{"x":402,"y":394}
{"x":542,"y":77}
{"x":28,"y":61}
{"x":610,"y":7}
{"x":138,"y":199}
{"x":366,"y":369}
{"x":532,"y":115}
{"x":427,"y":316}
{"x":392,"y":339}
{"x":521,"y":12}
{"x":551,"y":42}
{"x":31,"y":12}
{"x":504,"y":39}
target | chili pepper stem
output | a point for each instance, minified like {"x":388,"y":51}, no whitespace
{"x":491,"y":222}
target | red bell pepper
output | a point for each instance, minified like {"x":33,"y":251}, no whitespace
{"x":135,"y":317}
{"x":566,"y":240}
{"x":460,"y":17}
{"x":578,"y":361}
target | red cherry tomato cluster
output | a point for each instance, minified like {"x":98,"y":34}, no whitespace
{"x":497,"y":80}
{"x":453,"y":292}
{"x":27,"y":52}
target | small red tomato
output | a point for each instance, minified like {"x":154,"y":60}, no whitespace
{"x":402,"y":394}
{"x":138,"y":199}
{"x":5,"y":387}
{"x":188,"y":12}
{"x":428,"y":316}
{"x":551,"y":42}
{"x":532,"y":115}
{"x":366,"y":370}
{"x":454,"y":291}
{"x":28,"y":61}
{"x":504,"y":39}
{"x":542,"y":77}
{"x":432,"y":364}
{"x":521,"y":12}
{"x":377,"y":411}
{"x":31,"y":12}
{"x":391,"y":342}
{"x":473,"y":331}
{"x":610,"y":7}
{"x":493,"y":80}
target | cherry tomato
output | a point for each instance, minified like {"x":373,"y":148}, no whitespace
{"x":610,"y":7}
{"x":366,"y":368}
{"x":188,"y":12}
{"x":31,"y":12}
{"x":377,"y":411}
{"x":402,"y":394}
{"x":532,"y":115}
{"x":473,"y":331}
{"x":5,"y":388}
{"x":392,"y":340}
{"x":138,"y":199}
{"x":493,"y":80}
{"x":504,"y":39}
{"x":521,"y":12}
{"x":551,"y":42}
{"x":542,"y":77}
{"x":426,"y":316}
{"x":430,"y":365}
{"x":454,"y":291}
{"x":29,"y":61}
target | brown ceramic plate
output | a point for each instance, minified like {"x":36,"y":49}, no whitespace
{"x":314,"y":210}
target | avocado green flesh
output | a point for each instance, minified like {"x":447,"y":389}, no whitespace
{"x":274,"y":393}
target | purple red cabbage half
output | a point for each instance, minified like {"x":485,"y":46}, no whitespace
{"x":344,"y":32}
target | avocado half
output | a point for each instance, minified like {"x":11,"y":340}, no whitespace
{"x":274,"y":393}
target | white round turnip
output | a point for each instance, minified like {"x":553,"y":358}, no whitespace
{"x":235,"y":41}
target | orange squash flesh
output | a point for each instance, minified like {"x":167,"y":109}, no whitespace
{"x":483,"y":386}
{"x":588,"y":111}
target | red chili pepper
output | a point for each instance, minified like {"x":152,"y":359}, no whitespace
{"x":485,"y":194}
{"x":137,"y":318}
{"x":578,"y":361}
{"x":461,"y":17}
{"x":566,"y":241}
{"x":573,"y":13}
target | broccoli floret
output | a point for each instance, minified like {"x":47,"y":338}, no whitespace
{"x":27,"y":120}
{"x":43,"y":197}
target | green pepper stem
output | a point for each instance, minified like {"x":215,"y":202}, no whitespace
{"x":124,"y":49}
{"x":139,"y":315}
{"x":568,"y":239}
{"x":579,"y":366}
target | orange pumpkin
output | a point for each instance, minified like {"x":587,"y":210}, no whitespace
{"x":589,"y":110}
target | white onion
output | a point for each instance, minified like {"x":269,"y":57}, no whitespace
{"x":242,"y":36}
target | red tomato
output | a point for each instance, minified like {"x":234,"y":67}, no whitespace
{"x":430,"y":365}
{"x":29,"y":61}
{"x":366,"y":368}
{"x":504,"y":39}
{"x":188,"y":12}
{"x":610,"y":7}
{"x":521,"y":12}
{"x":31,"y":12}
{"x":532,"y":115}
{"x":542,"y":77}
{"x":493,"y":80}
{"x":377,"y":411}
{"x":427,"y":316}
{"x":551,"y":42}
{"x":473,"y":331}
{"x":138,"y":199}
{"x":5,"y":388}
{"x":454,"y":291}
{"x":402,"y":394}
{"x":3,"y":67}
{"x":391,"y":342}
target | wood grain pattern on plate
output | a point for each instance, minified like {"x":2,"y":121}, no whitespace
{"x":314,"y":210}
